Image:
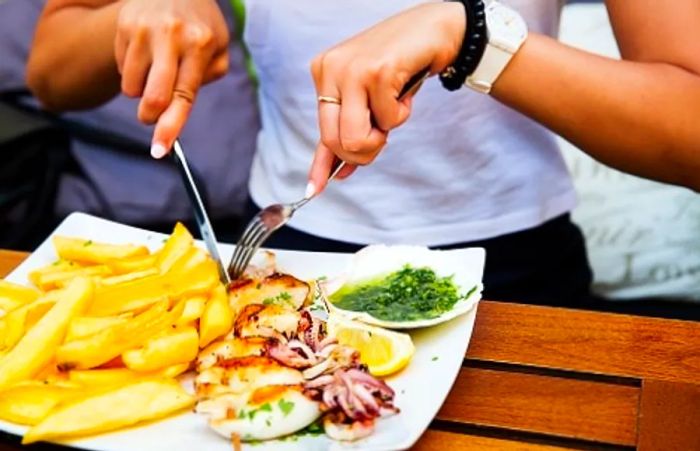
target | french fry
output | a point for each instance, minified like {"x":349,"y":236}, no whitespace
{"x":37,"y":347}
{"x":84,"y":326}
{"x":217,"y":317}
{"x":125,"y":406}
{"x":29,"y":402}
{"x":193,"y":274}
{"x":176,"y":245}
{"x":133,"y":264}
{"x":12,"y":329}
{"x":128,"y":277}
{"x":70,"y":375}
{"x":18,"y":321}
{"x":51,"y":375}
{"x":37,"y":309}
{"x":103,"y":378}
{"x":87,"y":251}
{"x":194,"y":307}
{"x":59,"y":279}
{"x":179,"y":346}
{"x":13,"y":295}
{"x":121,"y":376}
{"x":113,"y":364}
{"x":128,"y":296}
{"x":174,"y":371}
{"x":57,"y":266}
{"x":96,"y":349}
{"x":99,"y":348}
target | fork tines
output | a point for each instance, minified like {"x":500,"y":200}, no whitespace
{"x":253,"y":236}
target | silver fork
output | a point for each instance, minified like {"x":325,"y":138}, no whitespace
{"x":264,"y":224}
{"x":272,"y":217}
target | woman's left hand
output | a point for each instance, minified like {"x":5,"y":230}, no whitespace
{"x":367,"y":72}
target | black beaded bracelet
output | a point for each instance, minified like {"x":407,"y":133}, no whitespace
{"x":473,"y":46}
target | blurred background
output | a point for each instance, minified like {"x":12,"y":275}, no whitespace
{"x":641,"y":236}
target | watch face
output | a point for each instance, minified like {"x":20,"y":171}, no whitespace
{"x":506,"y":27}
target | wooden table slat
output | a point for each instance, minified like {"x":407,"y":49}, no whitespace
{"x":450,"y":441}
{"x":9,"y":260}
{"x":589,"y":342}
{"x":669,"y":416}
{"x":562,"y":407}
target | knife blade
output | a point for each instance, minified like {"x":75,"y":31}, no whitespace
{"x":200,"y":213}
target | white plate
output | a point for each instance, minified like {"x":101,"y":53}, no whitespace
{"x":420,"y":388}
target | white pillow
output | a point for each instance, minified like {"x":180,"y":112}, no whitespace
{"x":643,"y":237}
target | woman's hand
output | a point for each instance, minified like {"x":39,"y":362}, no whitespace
{"x":165,"y":50}
{"x":367,"y":73}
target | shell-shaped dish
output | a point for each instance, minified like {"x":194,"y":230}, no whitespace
{"x":465,"y":266}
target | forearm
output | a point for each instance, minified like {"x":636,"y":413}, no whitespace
{"x":72,"y":64}
{"x":638,"y":117}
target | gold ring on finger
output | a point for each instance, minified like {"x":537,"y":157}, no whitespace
{"x":329,"y":99}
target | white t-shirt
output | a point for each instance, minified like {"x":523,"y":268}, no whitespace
{"x":464,"y":167}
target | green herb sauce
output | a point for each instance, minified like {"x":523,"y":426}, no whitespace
{"x":405,"y":295}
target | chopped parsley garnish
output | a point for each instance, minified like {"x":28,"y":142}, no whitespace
{"x":285,"y":406}
{"x":266,"y":407}
{"x":250,"y":414}
{"x":314,"y":429}
{"x":280,"y":299}
{"x":405,"y":295}
{"x":87,"y":243}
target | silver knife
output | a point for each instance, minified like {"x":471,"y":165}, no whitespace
{"x":200,"y":214}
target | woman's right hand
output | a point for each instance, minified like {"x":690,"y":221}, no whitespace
{"x":165,"y":50}
{"x":366,"y":74}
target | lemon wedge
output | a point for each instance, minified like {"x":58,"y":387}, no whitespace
{"x":383,"y":351}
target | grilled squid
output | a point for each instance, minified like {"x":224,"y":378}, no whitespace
{"x":278,"y":370}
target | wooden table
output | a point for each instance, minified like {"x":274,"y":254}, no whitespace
{"x":541,"y":378}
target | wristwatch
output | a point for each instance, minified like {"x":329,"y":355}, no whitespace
{"x":506,"y":32}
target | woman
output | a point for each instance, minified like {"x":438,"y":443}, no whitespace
{"x":466,"y":170}
{"x":73,"y":71}
{"x":638,"y":115}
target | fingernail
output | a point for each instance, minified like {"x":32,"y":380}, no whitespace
{"x":158,"y":151}
{"x":310,"y":190}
